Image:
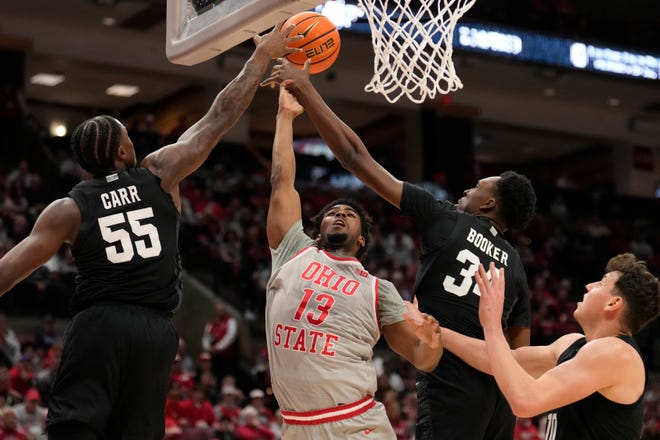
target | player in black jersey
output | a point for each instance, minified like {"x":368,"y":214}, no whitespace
{"x":591,"y":385}
{"x":123,"y":228}
{"x":455,"y":401}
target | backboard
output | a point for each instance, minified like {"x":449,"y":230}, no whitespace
{"x":198,"y":30}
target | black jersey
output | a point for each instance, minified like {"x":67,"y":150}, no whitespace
{"x":595,"y":417}
{"x":127,"y":246}
{"x":452,"y":246}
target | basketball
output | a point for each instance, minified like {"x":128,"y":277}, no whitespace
{"x":320,"y":43}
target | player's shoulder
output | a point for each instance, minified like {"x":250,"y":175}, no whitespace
{"x":561,"y":344}
{"x":612,"y":347}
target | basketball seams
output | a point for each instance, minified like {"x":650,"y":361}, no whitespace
{"x":321,"y":30}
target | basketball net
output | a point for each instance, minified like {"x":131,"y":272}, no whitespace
{"x":413,"y":49}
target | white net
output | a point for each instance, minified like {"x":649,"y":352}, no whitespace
{"x":413,"y":47}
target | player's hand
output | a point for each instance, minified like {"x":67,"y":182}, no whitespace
{"x":426,"y":327}
{"x":275,"y":43}
{"x":492,"y":295}
{"x":288,"y":103}
{"x":283,"y":70}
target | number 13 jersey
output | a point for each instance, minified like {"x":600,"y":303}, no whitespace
{"x":323,"y":318}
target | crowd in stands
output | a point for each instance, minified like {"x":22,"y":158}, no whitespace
{"x":223,"y":234}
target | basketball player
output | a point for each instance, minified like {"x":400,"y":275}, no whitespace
{"x":455,"y":401}
{"x":123,"y":228}
{"x":325,"y":312}
{"x":592,"y":385}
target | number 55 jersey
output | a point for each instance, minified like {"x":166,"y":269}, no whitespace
{"x":127,"y":246}
{"x":323,"y":318}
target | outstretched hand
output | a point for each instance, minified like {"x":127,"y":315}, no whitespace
{"x":284,"y":70}
{"x":492,"y":295}
{"x":275,"y":43}
{"x":426,"y":327}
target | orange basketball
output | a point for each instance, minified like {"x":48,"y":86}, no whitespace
{"x":320,"y":43}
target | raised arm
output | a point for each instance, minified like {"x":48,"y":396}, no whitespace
{"x":606,"y":365}
{"x":342,"y":140}
{"x":284,"y":209}
{"x":57,"y":224}
{"x":174,"y":162}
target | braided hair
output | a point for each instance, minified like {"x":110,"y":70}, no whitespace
{"x":95,"y":143}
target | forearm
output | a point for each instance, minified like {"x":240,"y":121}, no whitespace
{"x":284,"y":163}
{"x":425,"y":357}
{"x":516,"y":384}
{"x":471,"y":350}
{"x":342,"y":140}
{"x":230,"y":104}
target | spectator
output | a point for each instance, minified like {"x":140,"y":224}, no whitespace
{"x":220,"y":339}
{"x":251,"y":427}
{"x":228,"y":406}
{"x":10,"y":348}
{"x":183,"y":379}
{"x":258,"y":402}
{"x":10,"y":428}
{"x":31,"y":415}
{"x":526,"y":430}
{"x":21,"y":376}
{"x":48,"y":335}
{"x":225,"y":430}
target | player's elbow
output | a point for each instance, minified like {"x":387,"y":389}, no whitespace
{"x":524,"y":405}
{"x":429,"y":362}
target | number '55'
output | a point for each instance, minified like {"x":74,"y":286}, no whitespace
{"x":127,"y":248}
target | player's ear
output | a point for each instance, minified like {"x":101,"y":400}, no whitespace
{"x":615,"y":303}
{"x":489,"y":204}
{"x":361,"y":241}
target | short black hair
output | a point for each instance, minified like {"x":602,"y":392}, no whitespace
{"x":95,"y":143}
{"x":639,"y":288}
{"x":517,"y":199}
{"x":365,"y":221}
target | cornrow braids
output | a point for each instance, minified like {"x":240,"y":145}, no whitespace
{"x":95,"y":143}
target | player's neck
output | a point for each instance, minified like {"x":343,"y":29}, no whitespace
{"x":604,"y":329}
{"x":495,"y":222}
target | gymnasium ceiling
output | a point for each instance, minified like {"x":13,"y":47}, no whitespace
{"x":67,"y":36}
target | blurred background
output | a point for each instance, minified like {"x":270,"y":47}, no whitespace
{"x":584,"y":130}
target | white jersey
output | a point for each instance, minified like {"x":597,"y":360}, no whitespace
{"x":323,"y":318}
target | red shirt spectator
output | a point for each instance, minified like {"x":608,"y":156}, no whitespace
{"x":252,"y":428}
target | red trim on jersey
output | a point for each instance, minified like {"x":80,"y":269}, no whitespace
{"x":334,"y":414}
{"x":334,"y":257}
{"x":376,"y":285}
{"x":301,"y":251}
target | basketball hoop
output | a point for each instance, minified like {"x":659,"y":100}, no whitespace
{"x":413,"y":48}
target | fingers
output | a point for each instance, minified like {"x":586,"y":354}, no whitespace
{"x":288,"y":29}
{"x":481,"y":278}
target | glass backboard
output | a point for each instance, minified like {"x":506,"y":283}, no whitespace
{"x":198,"y":30}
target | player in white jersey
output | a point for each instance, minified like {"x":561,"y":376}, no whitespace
{"x":325,"y":312}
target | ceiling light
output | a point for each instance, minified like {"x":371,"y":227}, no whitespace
{"x":123,"y":90}
{"x":57,"y":129}
{"x":47,"y":79}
